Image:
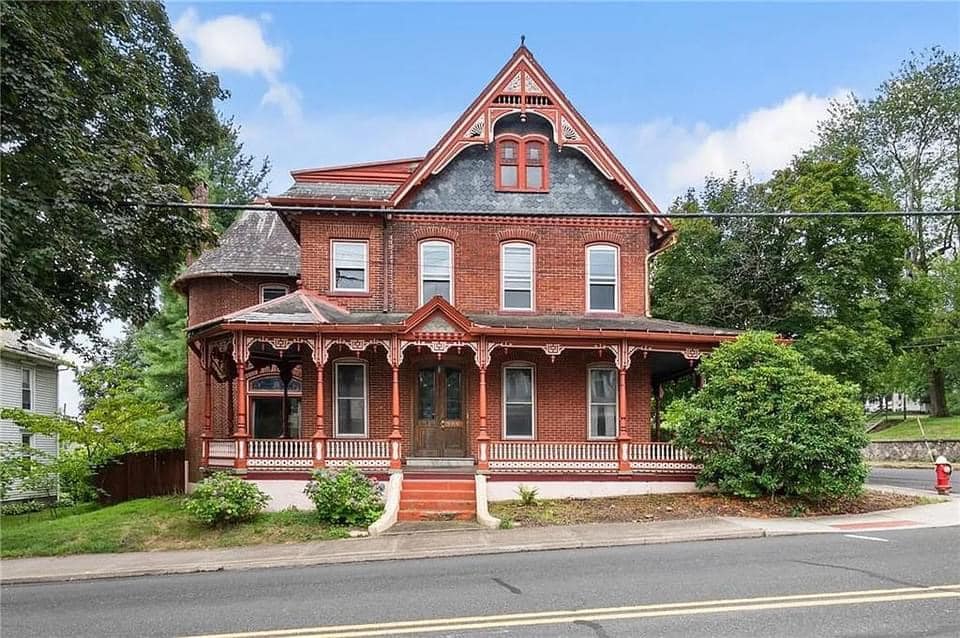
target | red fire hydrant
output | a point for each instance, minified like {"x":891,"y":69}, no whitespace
{"x":944,"y":470}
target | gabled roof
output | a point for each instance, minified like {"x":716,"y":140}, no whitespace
{"x":11,"y":341}
{"x":257,"y":243}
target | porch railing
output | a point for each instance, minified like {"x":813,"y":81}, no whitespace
{"x":660,"y":457}
{"x":363,"y":453}
{"x":506,"y":456}
{"x":279,"y":454}
{"x":297,"y":454}
{"x":221,"y":452}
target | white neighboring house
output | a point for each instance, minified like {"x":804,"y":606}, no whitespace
{"x":28,"y":379}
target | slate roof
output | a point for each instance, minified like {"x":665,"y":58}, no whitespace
{"x":590,"y":322}
{"x":10,"y":341}
{"x":338,"y":190}
{"x":257,"y":243}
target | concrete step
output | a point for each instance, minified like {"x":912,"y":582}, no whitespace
{"x":437,"y":505}
{"x":437,"y":485}
{"x":435,"y":516}
{"x":441,"y":463}
{"x":459,"y":495}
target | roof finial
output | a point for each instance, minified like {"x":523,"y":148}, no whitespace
{"x":522,"y":39}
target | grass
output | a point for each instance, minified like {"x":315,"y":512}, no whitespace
{"x":147,"y":525}
{"x":908,"y":430}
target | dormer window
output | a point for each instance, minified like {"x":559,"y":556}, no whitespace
{"x":269,"y":292}
{"x":522,"y":164}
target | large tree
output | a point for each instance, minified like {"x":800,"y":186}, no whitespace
{"x":908,"y":140}
{"x":102,"y":109}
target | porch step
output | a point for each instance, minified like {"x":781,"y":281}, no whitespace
{"x":437,"y":498}
{"x":440,"y":463}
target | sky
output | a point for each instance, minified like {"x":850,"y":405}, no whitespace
{"x":677,"y":90}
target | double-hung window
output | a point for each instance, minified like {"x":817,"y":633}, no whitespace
{"x":522,"y":164}
{"x":350,"y":397}
{"x":603,"y":273}
{"x":602,"y":399}
{"x":516,"y":268}
{"x":436,"y":270}
{"x":349,"y":272}
{"x":26,"y":388}
{"x":518,"y":401}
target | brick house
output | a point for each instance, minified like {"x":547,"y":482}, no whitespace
{"x":482,"y":310}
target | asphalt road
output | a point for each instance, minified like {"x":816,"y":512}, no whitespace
{"x":904,"y":477}
{"x":829,"y":567}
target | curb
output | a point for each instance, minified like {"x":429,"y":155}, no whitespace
{"x":345,"y":558}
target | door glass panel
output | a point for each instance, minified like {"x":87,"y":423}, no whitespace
{"x":426,"y":389}
{"x":454,"y":400}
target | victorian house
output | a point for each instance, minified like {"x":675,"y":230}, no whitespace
{"x":476,"y":316}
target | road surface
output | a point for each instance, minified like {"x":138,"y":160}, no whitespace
{"x":903,"y":477}
{"x":864,"y":584}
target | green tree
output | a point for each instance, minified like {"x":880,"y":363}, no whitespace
{"x":100,"y":108}
{"x":767,"y":423}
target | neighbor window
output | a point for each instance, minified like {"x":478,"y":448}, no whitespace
{"x":516,"y":276}
{"x":518,"y":401}
{"x":350,"y":398}
{"x":26,"y":443}
{"x":349,"y":266}
{"x":602,"y":275}
{"x":602,"y":391}
{"x":26,"y":388}
{"x":272,"y":291}
{"x":436,"y":270}
{"x":522,"y":164}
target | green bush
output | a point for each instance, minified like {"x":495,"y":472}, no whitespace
{"x":24,"y":507}
{"x":223,"y":499}
{"x":345,"y":497}
{"x":767,"y":423}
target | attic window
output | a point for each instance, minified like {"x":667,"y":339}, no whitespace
{"x":272,"y":291}
{"x":522,"y":164}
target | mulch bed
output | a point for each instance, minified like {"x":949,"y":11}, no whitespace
{"x":667,"y":507}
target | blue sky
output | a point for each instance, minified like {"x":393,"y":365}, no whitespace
{"x":677,"y":90}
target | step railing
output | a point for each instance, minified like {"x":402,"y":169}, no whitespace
{"x":506,"y":456}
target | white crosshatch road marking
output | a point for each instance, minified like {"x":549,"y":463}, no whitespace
{"x":468,"y":623}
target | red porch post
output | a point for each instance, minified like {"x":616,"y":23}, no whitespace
{"x":207,"y":433}
{"x":396,"y":436}
{"x":240,"y":434}
{"x":623,"y":438}
{"x":319,"y":429}
{"x":483,"y":438}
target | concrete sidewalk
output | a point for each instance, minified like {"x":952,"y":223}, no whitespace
{"x":459,"y":543}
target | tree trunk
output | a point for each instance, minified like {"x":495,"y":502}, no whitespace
{"x":938,"y":393}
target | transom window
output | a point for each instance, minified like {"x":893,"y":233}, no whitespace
{"x":602,"y":391}
{"x":436,"y":270}
{"x":602,"y":277}
{"x":516,"y":280}
{"x":26,"y":388}
{"x":518,"y":401}
{"x":349,"y":266}
{"x":350,"y":398}
{"x":272,"y":291}
{"x":522,"y":164}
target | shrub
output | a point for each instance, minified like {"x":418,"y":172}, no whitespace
{"x":223,"y":499}
{"x":345,"y":497}
{"x":24,"y":507}
{"x":766,"y":423}
{"x":528,"y":495}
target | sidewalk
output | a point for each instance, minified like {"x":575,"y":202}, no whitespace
{"x":459,"y":543}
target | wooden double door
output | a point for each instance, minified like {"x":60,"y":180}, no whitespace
{"x":439,"y":428}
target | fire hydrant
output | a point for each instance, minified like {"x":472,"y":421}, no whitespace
{"x":944,"y":470}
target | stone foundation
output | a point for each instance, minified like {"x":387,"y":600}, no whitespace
{"x":911,"y":451}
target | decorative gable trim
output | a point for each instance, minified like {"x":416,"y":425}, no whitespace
{"x":431,"y":315}
{"x":522,"y":86}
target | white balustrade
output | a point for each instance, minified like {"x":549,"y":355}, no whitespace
{"x":358,"y":449}
{"x":279,"y":449}
{"x":223,"y":448}
{"x":506,"y":456}
{"x":666,"y":452}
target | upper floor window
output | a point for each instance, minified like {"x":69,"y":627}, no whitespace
{"x":272,"y":291}
{"x":522,"y":164}
{"x":516,"y":276}
{"x":602,"y":277}
{"x":349,"y":266}
{"x":26,"y":388}
{"x":436,"y":270}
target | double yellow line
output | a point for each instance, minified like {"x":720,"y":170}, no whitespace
{"x":468,"y":623}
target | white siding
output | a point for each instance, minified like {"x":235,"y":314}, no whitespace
{"x":44,"y":401}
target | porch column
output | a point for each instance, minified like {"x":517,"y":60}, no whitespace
{"x":483,"y":439}
{"x":319,"y":429}
{"x":396,"y":437}
{"x":240,"y":434}
{"x":623,"y":438}
{"x":207,"y":433}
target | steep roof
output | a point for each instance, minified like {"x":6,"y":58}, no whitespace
{"x":257,"y":243}
{"x":10,"y":341}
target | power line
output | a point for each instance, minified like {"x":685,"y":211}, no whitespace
{"x":353,"y":210}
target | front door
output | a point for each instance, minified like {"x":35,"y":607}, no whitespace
{"x":439,"y":429}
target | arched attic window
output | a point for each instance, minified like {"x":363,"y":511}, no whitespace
{"x":522,"y":164}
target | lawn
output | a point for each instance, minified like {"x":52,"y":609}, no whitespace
{"x":908,"y":430}
{"x":146,"y":525}
{"x":666,"y":507}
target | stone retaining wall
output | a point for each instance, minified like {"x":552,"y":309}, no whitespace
{"x":911,"y":450}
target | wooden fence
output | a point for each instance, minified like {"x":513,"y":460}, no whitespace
{"x":140,"y":475}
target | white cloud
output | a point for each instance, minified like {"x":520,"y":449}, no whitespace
{"x":238,"y":43}
{"x":667,"y":157}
